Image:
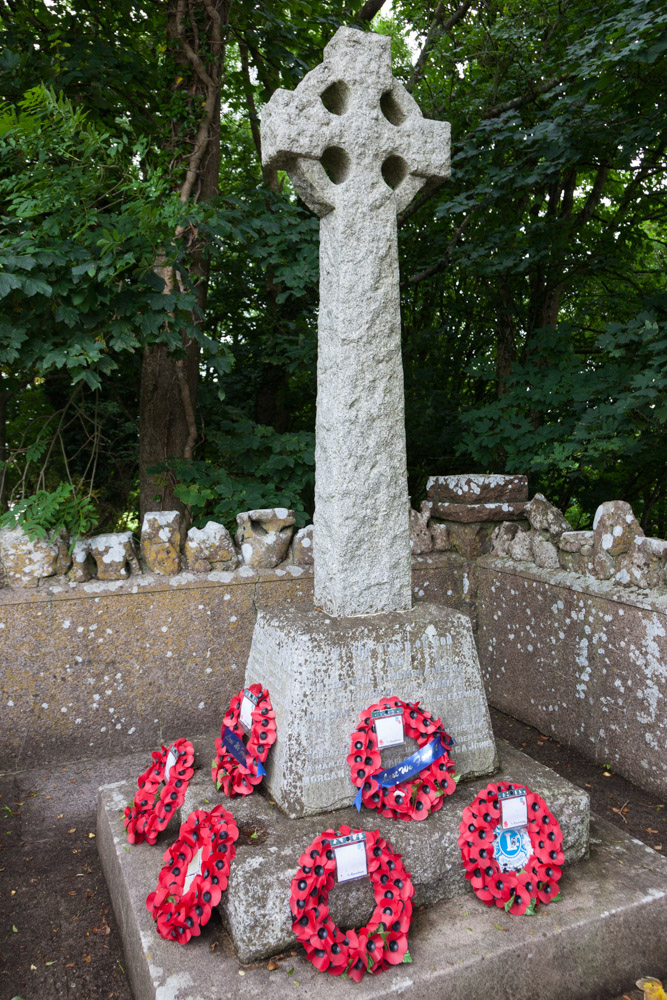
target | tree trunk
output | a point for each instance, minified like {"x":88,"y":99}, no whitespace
{"x":197,"y":29}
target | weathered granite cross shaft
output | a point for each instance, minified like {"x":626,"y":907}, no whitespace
{"x":357,"y":150}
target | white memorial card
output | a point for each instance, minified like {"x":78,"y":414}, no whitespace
{"x":194,"y":868}
{"x":172,"y":757}
{"x":351,"y":861}
{"x":247,"y":708}
{"x":390,"y":731}
{"x":513,"y":809}
{"x":388,"y":727}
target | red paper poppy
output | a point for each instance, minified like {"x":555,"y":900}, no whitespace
{"x":229,"y":775}
{"x":161,"y":791}
{"x":383,"y":941}
{"x":207,"y":839}
{"x":415,"y":798}
{"x":516,"y":892}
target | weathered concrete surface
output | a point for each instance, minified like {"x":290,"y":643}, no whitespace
{"x":350,"y":116}
{"x":429,"y":850}
{"x":611,"y":922}
{"x":322,"y":672}
{"x":578,"y":658}
{"x":477,"y":488}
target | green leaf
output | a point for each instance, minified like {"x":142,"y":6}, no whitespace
{"x":407,"y":958}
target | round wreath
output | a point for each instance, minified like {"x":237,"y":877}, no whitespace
{"x":384,"y":939}
{"x":153,"y":806}
{"x":415,"y":798}
{"x":514,"y":891}
{"x":179,"y":910}
{"x":227,"y":772}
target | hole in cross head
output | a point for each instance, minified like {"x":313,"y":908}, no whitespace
{"x":336,"y":164}
{"x":336,"y":97}
{"x":391,"y":109}
{"x":394,"y":170}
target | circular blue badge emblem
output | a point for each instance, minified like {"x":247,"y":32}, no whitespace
{"x":512,"y":848}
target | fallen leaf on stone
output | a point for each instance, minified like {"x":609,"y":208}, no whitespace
{"x":91,"y":835}
{"x":33,"y":968}
{"x":61,"y":816}
{"x":87,"y":958}
{"x":295,"y":982}
{"x":15,"y":928}
{"x":272,"y":965}
{"x":501,"y":928}
{"x":49,"y":963}
{"x":649,"y":829}
{"x":73,"y":830}
{"x":657,"y":847}
{"x":70,"y":965}
{"x":606,"y":774}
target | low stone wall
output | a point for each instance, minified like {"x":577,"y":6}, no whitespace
{"x":99,"y":668}
{"x":571,"y":631}
{"x":582,"y":659}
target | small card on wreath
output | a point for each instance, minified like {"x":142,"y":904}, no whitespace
{"x":388,"y":725}
{"x":351,"y":861}
{"x":172,"y":757}
{"x":248,"y":704}
{"x":513,"y":808}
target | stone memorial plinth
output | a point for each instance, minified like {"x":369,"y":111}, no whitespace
{"x":322,"y":672}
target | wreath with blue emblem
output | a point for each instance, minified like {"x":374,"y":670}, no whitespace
{"x":516,"y":870}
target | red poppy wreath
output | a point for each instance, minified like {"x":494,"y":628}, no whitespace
{"x":194,"y":875}
{"x":384,"y":939}
{"x":411,"y":790}
{"x":153,"y":806}
{"x":237,"y":766}
{"x":538,"y":849}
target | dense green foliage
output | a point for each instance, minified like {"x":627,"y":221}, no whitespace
{"x":533,"y":283}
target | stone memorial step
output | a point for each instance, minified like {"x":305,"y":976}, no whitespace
{"x":611,"y":922}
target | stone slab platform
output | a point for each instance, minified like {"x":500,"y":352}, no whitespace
{"x":270,"y":845}
{"x":610,"y":927}
{"x":323,"y":672}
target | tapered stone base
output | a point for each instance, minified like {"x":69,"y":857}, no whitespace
{"x":323,"y":672}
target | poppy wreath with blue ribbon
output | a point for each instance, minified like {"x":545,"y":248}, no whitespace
{"x":238,"y":766}
{"x":536,"y":883}
{"x":415,"y":788}
{"x":383,"y":941}
{"x":181,"y":910}
{"x":153,"y":807}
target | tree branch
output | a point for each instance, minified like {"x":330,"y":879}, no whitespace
{"x":442,"y":264}
{"x":369,"y":10}
{"x":438,"y":28}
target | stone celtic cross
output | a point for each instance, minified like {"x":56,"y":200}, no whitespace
{"x":357,"y":150}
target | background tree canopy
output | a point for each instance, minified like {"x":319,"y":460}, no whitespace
{"x":159,"y":288}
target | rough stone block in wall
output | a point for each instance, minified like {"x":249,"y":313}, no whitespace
{"x":476,"y":488}
{"x":644,"y":564}
{"x":25,"y":561}
{"x":441,"y":535}
{"x":162,"y":534}
{"x":114,"y":555}
{"x":302,"y":546}
{"x":420,"y":536}
{"x":546,"y":518}
{"x":263,"y":536}
{"x":470,"y":513}
{"x":615,"y":528}
{"x":210,"y":548}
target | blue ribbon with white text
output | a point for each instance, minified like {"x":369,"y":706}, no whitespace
{"x":409,"y":768}
{"x":237,"y":748}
